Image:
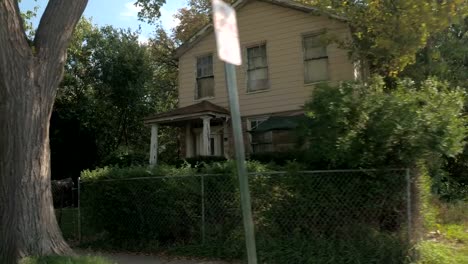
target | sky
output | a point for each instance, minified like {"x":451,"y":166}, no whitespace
{"x":118,"y":13}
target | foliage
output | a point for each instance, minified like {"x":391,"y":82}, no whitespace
{"x":150,"y":10}
{"x":111,"y":83}
{"x":164,"y":212}
{"x":65,"y":260}
{"x":444,"y":57}
{"x":389,"y":34}
{"x":192,"y":18}
{"x":444,"y":226}
{"x":124,"y":157}
{"x":27,"y":16}
{"x":361,"y":125}
{"x":280,"y":158}
{"x":432,"y":252}
{"x":200,"y":161}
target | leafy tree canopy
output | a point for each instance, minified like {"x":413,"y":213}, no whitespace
{"x":388,"y":34}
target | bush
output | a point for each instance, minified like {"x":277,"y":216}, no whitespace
{"x":125,"y":157}
{"x":279,"y":158}
{"x":133,"y":213}
{"x":359,"y":125}
{"x":202,"y":161}
{"x":153,"y":213}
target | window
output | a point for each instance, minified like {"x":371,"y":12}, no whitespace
{"x":257,"y":69}
{"x":315,"y":59}
{"x":205,"y":77}
{"x":260,"y":141}
{"x":254,"y":123}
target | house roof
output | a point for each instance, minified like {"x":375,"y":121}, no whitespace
{"x":238,"y":5}
{"x":183,"y":113}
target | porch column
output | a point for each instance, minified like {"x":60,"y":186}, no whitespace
{"x":206,"y":146}
{"x":154,"y":145}
{"x":188,"y":141}
{"x":225,"y":139}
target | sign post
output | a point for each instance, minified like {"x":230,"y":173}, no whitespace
{"x":227,"y":38}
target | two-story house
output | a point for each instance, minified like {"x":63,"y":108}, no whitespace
{"x":285,"y":55}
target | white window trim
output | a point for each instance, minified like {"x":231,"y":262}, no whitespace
{"x":249,"y":127}
{"x":195,"y":67}
{"x":246,"y":67}
{"x":314,"y":34}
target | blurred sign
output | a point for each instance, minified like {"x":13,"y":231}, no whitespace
{"x":227,"y":35}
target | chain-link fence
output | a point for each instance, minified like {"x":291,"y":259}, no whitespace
{"x":296,"y":210}
{"x":65,"y":198}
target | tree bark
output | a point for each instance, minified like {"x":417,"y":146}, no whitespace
{"x":29,"y":77}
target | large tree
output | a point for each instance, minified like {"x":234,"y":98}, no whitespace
{"x":29,"y":76}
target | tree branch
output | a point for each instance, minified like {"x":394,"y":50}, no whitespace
{"x":56,"y":28}
{"x":12,"y":35}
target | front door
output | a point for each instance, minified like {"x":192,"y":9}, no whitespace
{"x":216,"y":141}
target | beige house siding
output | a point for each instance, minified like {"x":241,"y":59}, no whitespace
{"x":282,"y":30}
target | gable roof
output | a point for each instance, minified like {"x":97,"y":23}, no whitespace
{"x":197,"y":37}
{"x":204,"y":107}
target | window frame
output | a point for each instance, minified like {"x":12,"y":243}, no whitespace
{"x":305,"y":59}
{"x":197,"y":78}
{"x":249,"y":128}
{"x":248,"y":70}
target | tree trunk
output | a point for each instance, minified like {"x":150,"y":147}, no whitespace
{"x":26,"y":158}
{"x":29,"y":77}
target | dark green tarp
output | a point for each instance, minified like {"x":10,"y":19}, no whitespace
{"x":279,"y":123}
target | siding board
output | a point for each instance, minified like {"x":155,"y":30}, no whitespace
{"x":282,"y":30}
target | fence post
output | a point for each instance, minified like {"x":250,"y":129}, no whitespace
{"x":409,"y":205}
{"x":79,"y":209}
{"x":203,"y":228}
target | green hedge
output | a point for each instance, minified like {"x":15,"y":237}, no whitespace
{"x":290,"y":211}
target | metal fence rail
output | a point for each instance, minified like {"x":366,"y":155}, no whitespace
{"x":205,"y":209}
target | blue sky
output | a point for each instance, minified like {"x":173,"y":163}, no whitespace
{"x":118,"y":13}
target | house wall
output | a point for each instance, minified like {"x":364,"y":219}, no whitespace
{"x":282,"y":30}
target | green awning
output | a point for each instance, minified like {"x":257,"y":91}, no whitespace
{"x":279,"y":123}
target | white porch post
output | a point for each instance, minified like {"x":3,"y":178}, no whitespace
{"x":188,"y":141}
{"x":206,"y":146}
{"x":154,"y":145}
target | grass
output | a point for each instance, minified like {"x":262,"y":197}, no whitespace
{"x":68,"y":222}
{"x":434,"y":252}
{"x":447,"y":241}
{"x":65,"y":260}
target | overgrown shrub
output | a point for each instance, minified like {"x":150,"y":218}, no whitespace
{"x":279,"y":158}
{"x":163,"y":208}
{"x":199,"y":162}
{"x":363,"y":125}
{"x":124,"y":157}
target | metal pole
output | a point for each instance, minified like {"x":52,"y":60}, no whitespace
{"x":231,"y":83}
{"x":79,"y":209}
{"x":409,"y":205}
{"x":203,"y":208}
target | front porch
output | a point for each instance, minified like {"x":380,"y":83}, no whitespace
{"x":204,"y":125}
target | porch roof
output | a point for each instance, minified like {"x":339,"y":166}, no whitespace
{"x":281,"y":123}
{"x":188,"y":113}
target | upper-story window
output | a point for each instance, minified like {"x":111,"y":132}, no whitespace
{"x":257,"y":68}
{"x":205,"y":77}
{"x":315,"y":59}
